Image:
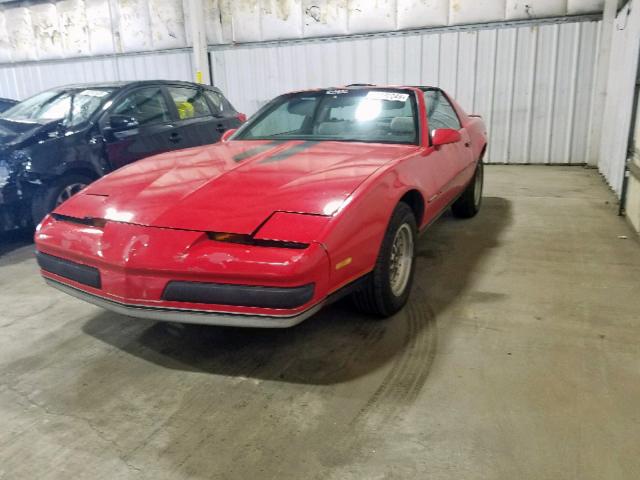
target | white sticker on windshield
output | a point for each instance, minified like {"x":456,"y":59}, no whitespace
{"x":391,"y":96}
{"x":337,"y":92}
{"x":94,"y":93}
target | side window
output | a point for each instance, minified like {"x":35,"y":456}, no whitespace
{"x":440,"y":113}
{"x":217,"y":101}
{"x":146,"y":105}
{"x":189,"y":102}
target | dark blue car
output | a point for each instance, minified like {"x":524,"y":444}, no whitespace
{"x":6,"y":103}
{"x":55,"y":143}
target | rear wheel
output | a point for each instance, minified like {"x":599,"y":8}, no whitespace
{"x":387,"y":288}
{"x":48,"y":197}
{"x":468,"y":205}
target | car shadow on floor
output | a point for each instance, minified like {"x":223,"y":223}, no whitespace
{"x":338,"y":344}
{"x":12,"y":246}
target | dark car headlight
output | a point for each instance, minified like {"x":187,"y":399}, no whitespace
{"x":13,"y":165}
{"x":4,"y":173}
{"x":280,"y":230}
{"x":20,"y":160}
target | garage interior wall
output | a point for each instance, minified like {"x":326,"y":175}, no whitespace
{"x":23,"y":80}
{"x":47,"y":30}
{"x":618,"y":110}
{"x":632,"y":206}
{"x":532,"y":83}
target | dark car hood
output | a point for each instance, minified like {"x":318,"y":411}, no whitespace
{"x":13,"y":133}
{"x":233,"y":187}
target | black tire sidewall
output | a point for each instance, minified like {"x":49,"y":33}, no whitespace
{"x":465,"y":206}
{"x":479,"y":171}
{"x":389,"y":301}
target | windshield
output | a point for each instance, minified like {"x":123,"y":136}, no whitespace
{"x":72,"y":106}
{"x":375,"y":116}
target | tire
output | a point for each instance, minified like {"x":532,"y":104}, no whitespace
{"x":468,"y":205}
{"x":382,"y":295}
{"x":49,"y":196}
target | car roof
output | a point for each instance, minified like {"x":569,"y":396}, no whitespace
{"x":135,"y":83}
{"x":391,"y":87}
{"x":367,"y":86}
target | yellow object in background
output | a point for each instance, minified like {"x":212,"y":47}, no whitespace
{"x":199,"y":76}
{"x":185,"y":110}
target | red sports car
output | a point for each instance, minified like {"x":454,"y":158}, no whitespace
{"x":322,"y":193}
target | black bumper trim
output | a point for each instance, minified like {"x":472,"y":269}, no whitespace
{"x":77,"y":272}
{"x":238,"y":295}
{"x":202,"y":317}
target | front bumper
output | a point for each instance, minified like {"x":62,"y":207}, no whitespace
{"x":182,"y":276}
{"x":202,"y":317}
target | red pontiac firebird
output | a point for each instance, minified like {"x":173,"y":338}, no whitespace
{"x":322,"y":193}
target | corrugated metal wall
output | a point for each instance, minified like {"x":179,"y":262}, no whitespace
{"x":533,"y":84}
{"x":22,"y":80}
{"x":618,"y":107}
{"x":55,"y":29}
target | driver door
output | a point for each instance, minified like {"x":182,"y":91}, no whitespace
{"x":154,"y":133}
{"x":452,"y":159}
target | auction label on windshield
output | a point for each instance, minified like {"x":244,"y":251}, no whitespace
{"x":391,"y":96}
{"x":94,"y":93}
{"x":337,"y":92}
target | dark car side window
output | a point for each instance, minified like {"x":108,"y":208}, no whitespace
{"x":440,"y":112}
{"x":190,"y":102}
{"x":217,"y":101}
{"x":146,"y":105}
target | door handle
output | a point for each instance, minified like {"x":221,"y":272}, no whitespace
{"x":221,"y":128}
{"x":175,"y":137}
{"x":467,"y":144}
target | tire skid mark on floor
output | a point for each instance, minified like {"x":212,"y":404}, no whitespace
{"x":404,"y":381}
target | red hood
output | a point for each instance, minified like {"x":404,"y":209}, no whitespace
{"x":232,"y":187}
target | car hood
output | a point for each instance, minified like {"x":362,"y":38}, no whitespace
{"x":13,"y":133}
{"x":233,"y":187}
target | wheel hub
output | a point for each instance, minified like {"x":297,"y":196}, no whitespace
{"x":401,"y":260}
{"x":68,"y":192}
{"x":477,"y":190}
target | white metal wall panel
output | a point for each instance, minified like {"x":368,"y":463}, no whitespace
{"x":45,"y":30}
{"x":533,"y":84}
{"x":524,"y":9}
{"x":477,"y":11}
{"x":23,"y":80}
{"x":618,"y":109}
{"x":101,"y":38}
{"x":74,"y":30}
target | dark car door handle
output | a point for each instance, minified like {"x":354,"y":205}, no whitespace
{"x":221,"y":128}
{"x":467,"y":144}
{"x":175,"y":137}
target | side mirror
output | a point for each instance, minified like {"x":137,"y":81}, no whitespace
{"x":120,"y":123}
{"x":444,"y":136}
{"x":227,"y":135}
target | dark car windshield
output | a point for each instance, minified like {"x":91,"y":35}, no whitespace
{"x":362,"y":115}
{"x":72,"y":106}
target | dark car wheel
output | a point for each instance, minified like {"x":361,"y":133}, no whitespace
{"x":468,"y":205}
{"x":387,"y":288}
{"x":48,"y":197}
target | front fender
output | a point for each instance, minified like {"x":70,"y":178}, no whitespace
{"x":359,"y":227}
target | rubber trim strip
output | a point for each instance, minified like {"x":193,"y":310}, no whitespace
{"x":77,"y":272}
{"x":238,"y":295}
{"x":251,"y":152}
{"x":290,"y":152}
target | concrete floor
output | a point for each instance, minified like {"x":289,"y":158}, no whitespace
{"x":518,"y":357}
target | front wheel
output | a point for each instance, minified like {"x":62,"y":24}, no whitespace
{"x":48,"y":197}
{"x":387,"y":288}
{"x":468,"y":205}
